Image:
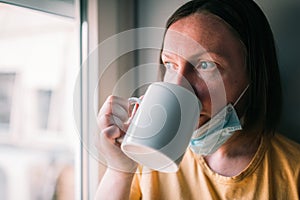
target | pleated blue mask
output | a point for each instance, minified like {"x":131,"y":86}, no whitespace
{"x":214,"y":133}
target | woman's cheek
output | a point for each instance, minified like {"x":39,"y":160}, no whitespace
{"x":216,"y":94}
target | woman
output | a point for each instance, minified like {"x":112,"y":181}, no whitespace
{"x":255,"y":162}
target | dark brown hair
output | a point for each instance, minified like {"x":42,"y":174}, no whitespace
{"x":251,"y":25}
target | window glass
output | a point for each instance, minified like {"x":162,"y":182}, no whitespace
{"x":38,"y":139}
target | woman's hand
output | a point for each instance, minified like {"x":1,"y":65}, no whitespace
{"x":113,"y":122}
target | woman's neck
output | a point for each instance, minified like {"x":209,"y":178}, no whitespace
{"x":236,"y":154}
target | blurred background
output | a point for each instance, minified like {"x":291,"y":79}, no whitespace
{"x":46,"y":146}
{"x":39,"y":60}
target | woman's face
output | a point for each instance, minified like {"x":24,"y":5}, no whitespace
{"x":202,"y":52}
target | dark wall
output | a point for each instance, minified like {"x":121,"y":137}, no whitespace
{"x":284,"y":16}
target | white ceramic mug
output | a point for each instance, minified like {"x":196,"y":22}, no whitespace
{"x":162,"y":127}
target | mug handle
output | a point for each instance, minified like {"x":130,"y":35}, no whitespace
{"x":132,"y":101}
{"x":136,"y":102}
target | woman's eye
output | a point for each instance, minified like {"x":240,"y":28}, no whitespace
{"x":206,"y":65}
{"x":169,"y":65}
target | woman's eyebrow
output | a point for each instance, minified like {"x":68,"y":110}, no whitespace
{"x":194,"y":57}
{"x":167,"y":55}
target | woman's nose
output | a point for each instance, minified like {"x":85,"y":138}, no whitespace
{"x":184,"y":75}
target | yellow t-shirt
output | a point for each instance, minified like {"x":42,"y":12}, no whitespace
{"x":273,"y":173}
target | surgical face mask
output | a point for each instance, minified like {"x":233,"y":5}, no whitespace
{"x":213,"y":134}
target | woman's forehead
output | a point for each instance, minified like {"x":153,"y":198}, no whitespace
{"x":200,"y":33}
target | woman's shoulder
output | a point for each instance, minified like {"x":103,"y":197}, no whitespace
{"x":283,"y":147}
{"x":281,"y":140}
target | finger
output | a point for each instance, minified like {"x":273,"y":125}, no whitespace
{"x":112,"y":133}
{"x":113,"y":107}
{"x":108,"y":120}
{"x":116,"y":112}
{"x":120,"y":112}
{"x":117,"y":107}
{"x":115,"y":100}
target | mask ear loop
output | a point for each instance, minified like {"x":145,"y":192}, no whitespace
{"x":238,"y":99}
{"x":241,"y":95}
